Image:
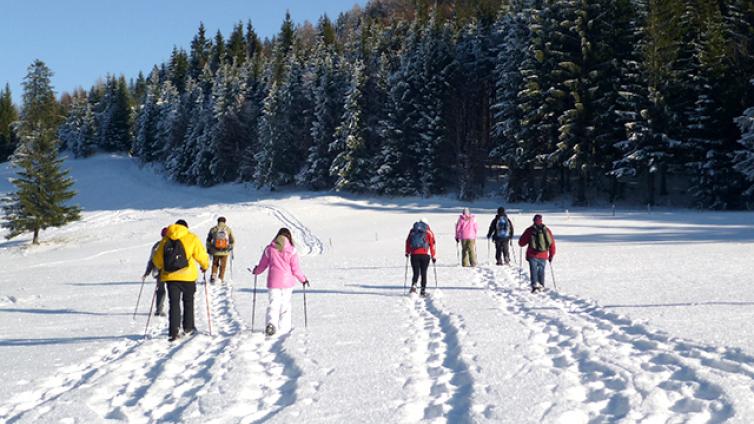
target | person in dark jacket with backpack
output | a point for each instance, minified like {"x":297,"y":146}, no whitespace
{"x":177,"y":257}
{"x":541,"y":249}
{"x":501,"y":232}
{"x":220,"y":243}
{"x":159,"y":285}
{"x":420,"y":245}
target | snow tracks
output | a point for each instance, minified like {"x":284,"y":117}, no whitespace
{"x":232,"y":375}
{"x":606,"y":368}
{"x":438,"y":384}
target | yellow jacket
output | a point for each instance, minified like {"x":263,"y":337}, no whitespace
{"x":195,"y":253}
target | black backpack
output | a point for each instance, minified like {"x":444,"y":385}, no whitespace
{"x":174,"y":255}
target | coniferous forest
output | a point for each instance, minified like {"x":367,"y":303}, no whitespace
{"x":645,"y":101}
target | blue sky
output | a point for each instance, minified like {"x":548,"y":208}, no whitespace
{"x":83,"y":40}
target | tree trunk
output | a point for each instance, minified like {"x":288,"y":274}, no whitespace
{"x":35,"y":240}
{"x":650,"y":188}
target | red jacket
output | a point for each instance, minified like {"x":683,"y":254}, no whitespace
{"x":430,"y":237}
{"x":530,"y":252}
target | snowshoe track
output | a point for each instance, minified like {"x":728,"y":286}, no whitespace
{"x":314,"y":245}
{"x":230,"y":373}
{"x":609,"y":368}
{"x":439,"y":385}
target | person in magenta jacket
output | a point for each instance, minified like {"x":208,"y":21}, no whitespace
{"x":282,"y":260}
{"x":466,"y":229}
{"x":541,"y":249}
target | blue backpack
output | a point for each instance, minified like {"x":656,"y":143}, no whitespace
{"x":417,"y":239}
{"x":503,"y":231}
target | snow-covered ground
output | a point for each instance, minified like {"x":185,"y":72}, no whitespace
{"x":651,"y":322}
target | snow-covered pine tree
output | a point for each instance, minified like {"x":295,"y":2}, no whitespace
{"x":251,"y":112}
{"x":145,"y":145}
{"x":511,"y":29}
{"x":326,"y":89}
{"x":44,"y":189}
{"x":228,"y":98}
{"x":113,"y":116}
{"x":396,"y":166}
{"x":744,"y":159}
{"x":715,"y":184}
{"x":179,"y":69}
{"x":198,"y":153}
{"x":352,"y":165}
{"x":168,"y":105}
{"x":269,"y":133}
{"x":78,"y":132}
{"x":8,"y":115}
{"x":200,"y":50}
{"x":436,"y":65}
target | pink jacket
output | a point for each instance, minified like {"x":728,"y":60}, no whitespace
{"x":284,"y":268}
{"x":466,"y":228}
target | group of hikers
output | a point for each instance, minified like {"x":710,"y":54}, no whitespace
{"x":175,"y":262}
{"x":420,"y":246}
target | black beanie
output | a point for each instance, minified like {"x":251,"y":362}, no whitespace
{"x":501,"y":211}
{"x":182,"y":222}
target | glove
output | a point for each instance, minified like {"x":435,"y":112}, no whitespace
{"x":551,"y":259}
{"x":407,"y":254}
{"x":203,"y":270}
{"x":456,"y":240}
{"x":434,"y":260}
{"x":306,"y":283}
{"x":144,"y":278}
{"x":254,"y":271}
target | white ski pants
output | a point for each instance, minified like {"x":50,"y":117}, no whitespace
{"x":279,"y":309}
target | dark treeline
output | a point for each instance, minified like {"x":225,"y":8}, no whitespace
{"x":598,"y":99}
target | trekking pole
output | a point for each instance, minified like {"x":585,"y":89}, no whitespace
{"x":306,"y":320}
{"x":231,"y":265}
{"x":434,"y":266}
{"x":138,"y":299}
{"x":458,"y":252}
{"x":253,"y":300}
{"x":521,"y":256}
{"x":206,"y":301}
{"x":149,"y":317}
{"x":405,"y":276}
{"x":488,"y":252}
{"x":554,"y":284}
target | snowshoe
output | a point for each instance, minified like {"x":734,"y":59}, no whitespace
{"x":537,"y":289}
{"x":412,"y":290}
{"x":423,"y":293}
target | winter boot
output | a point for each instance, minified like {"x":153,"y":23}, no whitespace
{"x":212,"y":279}
{"x":269,"y":330}
{"x":423,"y":293}
{"x":412,"y":290}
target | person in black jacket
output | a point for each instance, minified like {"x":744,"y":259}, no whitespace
{"x":501,"y":232}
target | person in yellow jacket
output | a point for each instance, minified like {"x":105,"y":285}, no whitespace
{"x":176,"y":257}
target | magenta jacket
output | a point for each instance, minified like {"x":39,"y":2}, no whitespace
{"x":466,"y":228}
{"x":281,"y":258}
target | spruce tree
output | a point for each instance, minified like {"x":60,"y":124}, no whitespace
{"x":200,"y":51}
{"x":352,"y":165}
{"x":236,"y":50}
{"x":79,"y":131}
{"x":744,"y":159}
{"x":8,"y":115}
{"x":43,"y":187}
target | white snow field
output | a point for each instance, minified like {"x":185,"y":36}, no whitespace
{"x":651,"y":321}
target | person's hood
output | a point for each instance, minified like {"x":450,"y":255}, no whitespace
{"x":281,"y":244}
{"x":467,"y":217}
{"x":176,"y":231}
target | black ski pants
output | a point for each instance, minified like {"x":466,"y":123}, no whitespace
{"x":181,"y":292}
{"x":161,"y":292}
{"x":502,"y":250}
{"x":419,"y":265}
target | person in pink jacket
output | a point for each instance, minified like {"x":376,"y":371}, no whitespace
{"x":466,"y":229}
{"x":282,"y":260}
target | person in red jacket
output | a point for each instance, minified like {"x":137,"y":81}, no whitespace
{"x":541,"y":249}
{"x":420,"y":245}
